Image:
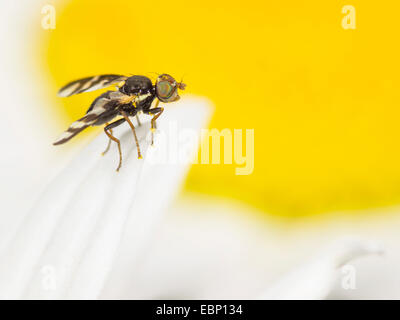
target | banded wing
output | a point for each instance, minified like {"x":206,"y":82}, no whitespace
{"x":75,"y":128}
{"x":90,"y":84}
{"x":102,"y":110}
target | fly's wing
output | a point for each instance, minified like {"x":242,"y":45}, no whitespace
{"x":90,"y":84}
{"x":76,"y":127}
{"x":103,"y":109}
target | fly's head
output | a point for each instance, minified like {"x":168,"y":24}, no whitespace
{"x":167,"y":88}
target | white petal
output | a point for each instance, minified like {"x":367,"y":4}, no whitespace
{"x":66,"y":246}
{"x":315,"y":279}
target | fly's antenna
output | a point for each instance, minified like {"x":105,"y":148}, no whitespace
{"x":181,"y":85}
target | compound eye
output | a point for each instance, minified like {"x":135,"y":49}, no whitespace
{"x":165,"y":89}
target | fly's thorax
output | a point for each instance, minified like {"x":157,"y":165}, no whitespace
{"x":137,"y":85}
{"x":144,"y":100}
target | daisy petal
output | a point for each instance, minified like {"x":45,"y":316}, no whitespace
{"x":315,"y":279}
{"x":67,"y":244}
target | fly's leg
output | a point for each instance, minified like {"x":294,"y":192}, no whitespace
{"x":109,"y":142}
{"x":108,"y":132}
{"x":138,"y":121}
{"x":156,"y":112}
{"x":124,"y":114}
{"x":153,"y":124}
